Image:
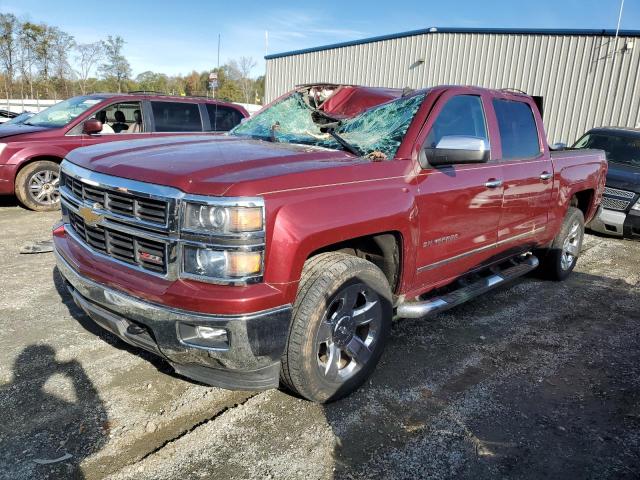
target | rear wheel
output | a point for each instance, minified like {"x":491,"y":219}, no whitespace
{"x":37,"y":186}
{"x":559,"y":260}
{"x":341,"y":321}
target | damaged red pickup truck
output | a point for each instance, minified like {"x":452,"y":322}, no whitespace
{"x":279,"y":253}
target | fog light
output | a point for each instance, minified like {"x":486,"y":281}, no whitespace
{"x":202,"y":336}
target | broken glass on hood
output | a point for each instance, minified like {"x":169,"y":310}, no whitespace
{"x":377,"y":131}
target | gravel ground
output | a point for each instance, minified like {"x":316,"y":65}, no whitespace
{"x":538,"y":379}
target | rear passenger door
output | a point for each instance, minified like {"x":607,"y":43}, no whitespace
{"x":527,"y":172}
{"x":175,"y":117}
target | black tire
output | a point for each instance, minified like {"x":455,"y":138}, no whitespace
{"x":558,"y":261}
{"x":44,"y":174}
{"x":319,"y":362}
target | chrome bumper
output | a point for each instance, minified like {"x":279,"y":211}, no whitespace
{"x":610,"y":222}
{"x":250,"y":362}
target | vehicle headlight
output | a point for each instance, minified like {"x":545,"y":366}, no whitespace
{"x":636,"y":206}
{"x":221,"y":264}
{"x":222,"y":219}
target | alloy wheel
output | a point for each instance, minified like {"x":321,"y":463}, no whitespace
{"x":43,"y":187}
{"x":571,"y":246}
{"x":348,"y":330}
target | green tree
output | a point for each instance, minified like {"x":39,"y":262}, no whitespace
{"x":116,"y":67}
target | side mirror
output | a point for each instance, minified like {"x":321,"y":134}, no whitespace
{"x":92,"y":126}
{"x":456,"y":149}
{"x":558,"y":146}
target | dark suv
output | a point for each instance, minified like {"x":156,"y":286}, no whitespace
{"x":30,"y":153}
{"x":620,"y":212}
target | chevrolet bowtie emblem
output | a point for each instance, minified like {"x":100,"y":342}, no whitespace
{"x":89,"y":216}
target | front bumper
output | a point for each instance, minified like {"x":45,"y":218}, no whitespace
{"x":617,"y":223}
{"x":255,"y":341}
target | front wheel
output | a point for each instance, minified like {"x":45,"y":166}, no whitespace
{"x":559,"y":260}
{"x":341,"y":321}
{"x":37,"y":186}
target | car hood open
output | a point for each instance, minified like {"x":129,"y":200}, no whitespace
{"x":205,"y":164}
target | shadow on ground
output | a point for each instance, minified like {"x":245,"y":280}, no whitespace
{"x":53,"y":417}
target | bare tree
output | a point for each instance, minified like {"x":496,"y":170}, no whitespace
{"x":116,"y":66}
{"x":88,"y":56}
{"x":240,"y":71}
{"x":9,"y":27}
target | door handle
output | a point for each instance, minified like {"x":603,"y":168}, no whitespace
{"x":544,"y":176}
{"x":493,"y":183}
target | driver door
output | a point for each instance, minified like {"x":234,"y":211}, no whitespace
{"x":460,"y":204}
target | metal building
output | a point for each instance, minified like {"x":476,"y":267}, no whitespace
{"x":586,"y":78}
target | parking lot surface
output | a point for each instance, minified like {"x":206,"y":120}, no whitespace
{"x":534,"y":380}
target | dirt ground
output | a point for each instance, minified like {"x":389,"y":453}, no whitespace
{"x":535,"y":380}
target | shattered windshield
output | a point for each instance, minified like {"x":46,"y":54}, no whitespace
{"x":379,"y":130}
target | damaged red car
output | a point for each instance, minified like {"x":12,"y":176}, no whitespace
{"x":278,"y":254}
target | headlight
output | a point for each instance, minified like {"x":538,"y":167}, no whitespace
{"x":221,"y":264}
{"x":636,"y":206}
{"x":223,"y":219}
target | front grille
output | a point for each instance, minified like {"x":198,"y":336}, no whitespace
{"x":132,"y":249}
{"x":615,"y":204}
{"x":121,"y":203}
{"x":614,"y":192}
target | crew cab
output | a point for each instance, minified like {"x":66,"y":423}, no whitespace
{"x":31,"y":152}
{"x":278,"y":254}
{"x":620,"y":212}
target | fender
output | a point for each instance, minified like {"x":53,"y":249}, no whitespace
{"x":25,"y":154}
{"x":306,"y":223}
{"x":576,"y":172}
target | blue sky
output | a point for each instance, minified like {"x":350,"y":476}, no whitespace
{"x":178,"y":36}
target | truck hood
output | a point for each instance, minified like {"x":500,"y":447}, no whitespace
{"x":624,"y":177}
{"x":205,"y":165}
{"x":10,"y":130}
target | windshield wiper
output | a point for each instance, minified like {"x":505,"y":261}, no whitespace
{"x":331,"y":130}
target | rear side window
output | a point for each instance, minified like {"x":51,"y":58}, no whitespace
{"x":518,"y":131}
{"x":223,"y":118}
{"x":176,"y":117}
{"x":461,"y":115}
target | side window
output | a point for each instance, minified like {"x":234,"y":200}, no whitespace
{"x":461,"y":115}
{"x":176,"y":117}
{"x":223,"y":118}
{"x":122,"y":117}
{"x":518,"y":131}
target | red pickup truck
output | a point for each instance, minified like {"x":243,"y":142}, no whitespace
{"x":278,"y":254}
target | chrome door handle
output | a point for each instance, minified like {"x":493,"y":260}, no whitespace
{"x":493,"y":183}
{"x":544,"y":176}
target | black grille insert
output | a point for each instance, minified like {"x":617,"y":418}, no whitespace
{"x":122,"y":203}
{"x":148,"y":254}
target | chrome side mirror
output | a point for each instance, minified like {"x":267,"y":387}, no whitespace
{"x":558,"y":146}
{"x":456,"y":149}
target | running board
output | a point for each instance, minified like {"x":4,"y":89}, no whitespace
{"x":461,"y":295}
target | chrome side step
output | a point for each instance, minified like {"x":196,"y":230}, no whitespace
{"x":461,"y":295}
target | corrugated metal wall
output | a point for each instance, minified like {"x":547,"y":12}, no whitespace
{"x":573,"y":73}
